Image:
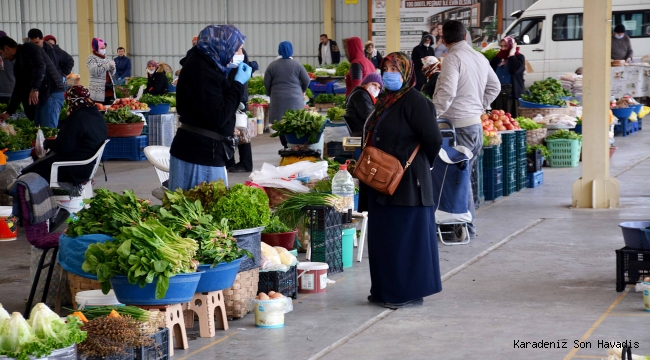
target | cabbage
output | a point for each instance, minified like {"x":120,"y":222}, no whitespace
{"x":4,"y":315}
{"x":17,"y":339}
{"x":51,"y":330}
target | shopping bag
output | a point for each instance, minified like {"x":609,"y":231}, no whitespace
{"x":38,"y":147}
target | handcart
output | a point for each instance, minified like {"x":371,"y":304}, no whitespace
{"x":451,"y":185}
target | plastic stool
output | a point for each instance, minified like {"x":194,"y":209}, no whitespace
{"x":207,"y":306}
{"x":175,"y":322}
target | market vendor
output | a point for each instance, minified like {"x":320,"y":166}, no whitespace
{"x":206,"y":102}
{"x":157,"y":82}
{"x":621,"y":44}
{"x":82,"y":135}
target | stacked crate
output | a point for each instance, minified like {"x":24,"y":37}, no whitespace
{"x":509,"y":154}
{"x":520,"y":148}
{"x":492,"y":173}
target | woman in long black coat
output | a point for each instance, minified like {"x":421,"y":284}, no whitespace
{"x":424,"y":49}
{"x":402,"y":244}
{"x":510,"y":66}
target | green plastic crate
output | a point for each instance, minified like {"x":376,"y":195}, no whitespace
{"x":492,"y":157}
{"x":479,"y":163}
{"x":521,"y":174}
{"x":564,"y":152}
{"x":508,"y":147}
{"x":520,"y":144}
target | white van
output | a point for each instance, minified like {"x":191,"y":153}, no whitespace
{"x":549,"y":34}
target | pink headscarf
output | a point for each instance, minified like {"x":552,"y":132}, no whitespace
{"x":97,"y":44}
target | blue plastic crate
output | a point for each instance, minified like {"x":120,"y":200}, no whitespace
{"x":339,"y":90}
{"x":535,"y":179}
{"x":640,"y":121}
{"x":131,"y":148}
{"x":493,"y":183}
{"x":317,"y":87}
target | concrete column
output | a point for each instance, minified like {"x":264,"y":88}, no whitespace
{"x":122,"y":25}
{"x":392,"y":26}
{"x":596,"y":189}
{"x":328,"y":18}
{"x":85,"y":34}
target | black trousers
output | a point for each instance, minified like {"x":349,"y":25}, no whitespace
{"x":506,"y":102}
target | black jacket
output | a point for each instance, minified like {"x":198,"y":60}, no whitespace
{"x":82,"y":135}
{"x":61,"y":59}
{"x":157,"y":84}
{"x":411,"y":120}
{"x":430,"y":87}
{"x":419,"y":52}
{"x":358,"y":107}
{"x":517,"y":66}
{"x":33,"y":69}
{"x":207,"y":99}
{"x":376,"y":60}
{"x":334,"y":50}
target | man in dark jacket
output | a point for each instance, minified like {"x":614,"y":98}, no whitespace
{"x":61,"y":59}
{"x":328,"y":51}
{"x":419,"y":52}
{"x":38,"y":83}
{"x":122,"y":66}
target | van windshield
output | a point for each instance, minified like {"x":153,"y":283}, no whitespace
{"x":527,"y":31}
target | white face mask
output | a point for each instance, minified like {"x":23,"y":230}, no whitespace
{"x":619,"y":36}
{"x":151,"y":71}
{"x":102,"y":51}
{"x":236,"y":60}
{"x":373,"y":91}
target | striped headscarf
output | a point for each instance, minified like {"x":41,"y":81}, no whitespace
{"x":220,"y":43}
{"x":78,"y":97}
{"x":387,"y":98}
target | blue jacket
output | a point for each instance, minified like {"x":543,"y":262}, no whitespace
{"x":122,"y":67}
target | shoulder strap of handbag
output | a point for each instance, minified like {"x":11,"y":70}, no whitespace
{"x":410,"y":160}
{"x":201,"y":131}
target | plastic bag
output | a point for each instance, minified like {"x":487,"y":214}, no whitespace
{"x":283,"y":176}
{"x":280,"y":304}
{"x":286,"y":257}
{"x":242,"y":135}
{"x":38,"y":148}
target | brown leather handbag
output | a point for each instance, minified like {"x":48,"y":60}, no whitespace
{"x":381,"y":171}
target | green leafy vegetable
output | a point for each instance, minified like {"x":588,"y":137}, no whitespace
{"x":335,"y":113}
{"x":564,"y":134}
{"x":17,"y":340}
{"x":322,"y":73}
{"x":257,"y":101}
{"x":300,"y":122}
{"x":290,"y":211}
{"x":337,"y":100}
{"x":547,"y":92}
{"x":122,"y":115}
{"x":134,"y":83}
{"x":490,"y":53}
{"x":342,"y":69}
{"x":256,"y":86}
{"x":135,"y":312}
{"x":527,"y":124}
{"x":52,"y":331}
{"x":157,"y":99}
{"x":532,"y":148}
{"x":309,"y":94}
{"x":244,"y":206}
{"x":309,"y":68}
{"x":276,"y":226}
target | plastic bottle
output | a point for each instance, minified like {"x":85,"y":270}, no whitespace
{"x":343,"y":186}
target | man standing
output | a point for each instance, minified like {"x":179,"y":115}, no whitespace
{"x":122,"y":66}
{"x":328,"y":51}
{"x":467,"y":85}
{"x":61,"y":59}
{"x":621,"y":44}
{"x":7,"y":80}
{"x":38,"y":83}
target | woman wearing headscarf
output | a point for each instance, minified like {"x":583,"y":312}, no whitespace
{"x":372,"y":54}
{"x":510,"y":66}
{"x":83,"y":133}
{"x":422,"y":50}
{"x":403,"y":258}
{"x":360,"y":66}
{"x":361,"y":102}
{"x":157,"y":82}
{"x":206,"y":102}
{"x":101,"y":70}
{"x":431,"y":69}
{"x":286,"y":81}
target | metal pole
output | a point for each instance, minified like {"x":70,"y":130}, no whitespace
{"x":226,"y":12}
{"x":21,"y":19}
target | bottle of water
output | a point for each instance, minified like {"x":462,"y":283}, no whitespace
{"x":343,"y":186}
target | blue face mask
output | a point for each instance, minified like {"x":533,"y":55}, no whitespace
{"x":392,"y":80}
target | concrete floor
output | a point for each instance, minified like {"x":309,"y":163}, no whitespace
{"x":539,"y":271}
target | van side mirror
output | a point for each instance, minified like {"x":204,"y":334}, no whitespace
{"x":526,"y":39}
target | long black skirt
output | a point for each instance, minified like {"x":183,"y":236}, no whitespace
{"x":506,"y":102}
{"x":403,"y":251}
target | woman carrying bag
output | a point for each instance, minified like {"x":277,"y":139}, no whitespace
{"x":403,"y":258}
{"x":510,"y":66}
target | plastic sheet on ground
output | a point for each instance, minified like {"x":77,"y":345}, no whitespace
{"x":285,"y":176}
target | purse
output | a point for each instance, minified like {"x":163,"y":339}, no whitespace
{"x":381,"y":171}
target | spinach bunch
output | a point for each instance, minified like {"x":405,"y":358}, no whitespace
{"x":336,"y":113}
{"x":109,"y":212}
{"x":300,"y":122}
{"x":142,"y":253}
{"x":342,"y":69}
{"x":256,"y":86}
{"x":122,"y":115}
{"x":547,"y":92}
{"x":157,"y":99}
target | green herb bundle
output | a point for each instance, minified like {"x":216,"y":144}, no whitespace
{"x":20,"y":137}
{"x":290,"y":211}
{"x":342,"y":69}
{"x":528,"y":124}
{"x":257,"y":101}
{"x":143,"y":253}
{"x":490,"y":53}
{"x":309,"y":68}
{"x":256,"y":86}
{"x":276,"y":226}
{"x":547,"y":92}
{"x":122,"y":115}
{"x":532,"y":148}
{"x":109,"y":212}
{"x":564,"y":134}
{"x":322,"y":73}
{"x":335,"y":114}
{"x":134,"y":83}
{"x":301,"y":123}
{"x":156,"y":99}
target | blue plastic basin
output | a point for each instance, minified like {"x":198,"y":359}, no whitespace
{"x":635,"y":235}
{"x":623,"y":113}
{"x":181,"y":289}
{"x":18,"y":155}
{"x":158,"y":109}
{"x":636,"y":108}
{"x":530,"y":105}
{"x":219,"y":277}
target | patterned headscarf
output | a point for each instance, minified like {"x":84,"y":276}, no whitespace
{"x":78,"y":97}
{"x":387,"y":98}
{"x":152,"y":62}
{"x":220,"y":43}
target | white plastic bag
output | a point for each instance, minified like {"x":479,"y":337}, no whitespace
{"x":283,"y":176}
{"x":38,"y":148}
